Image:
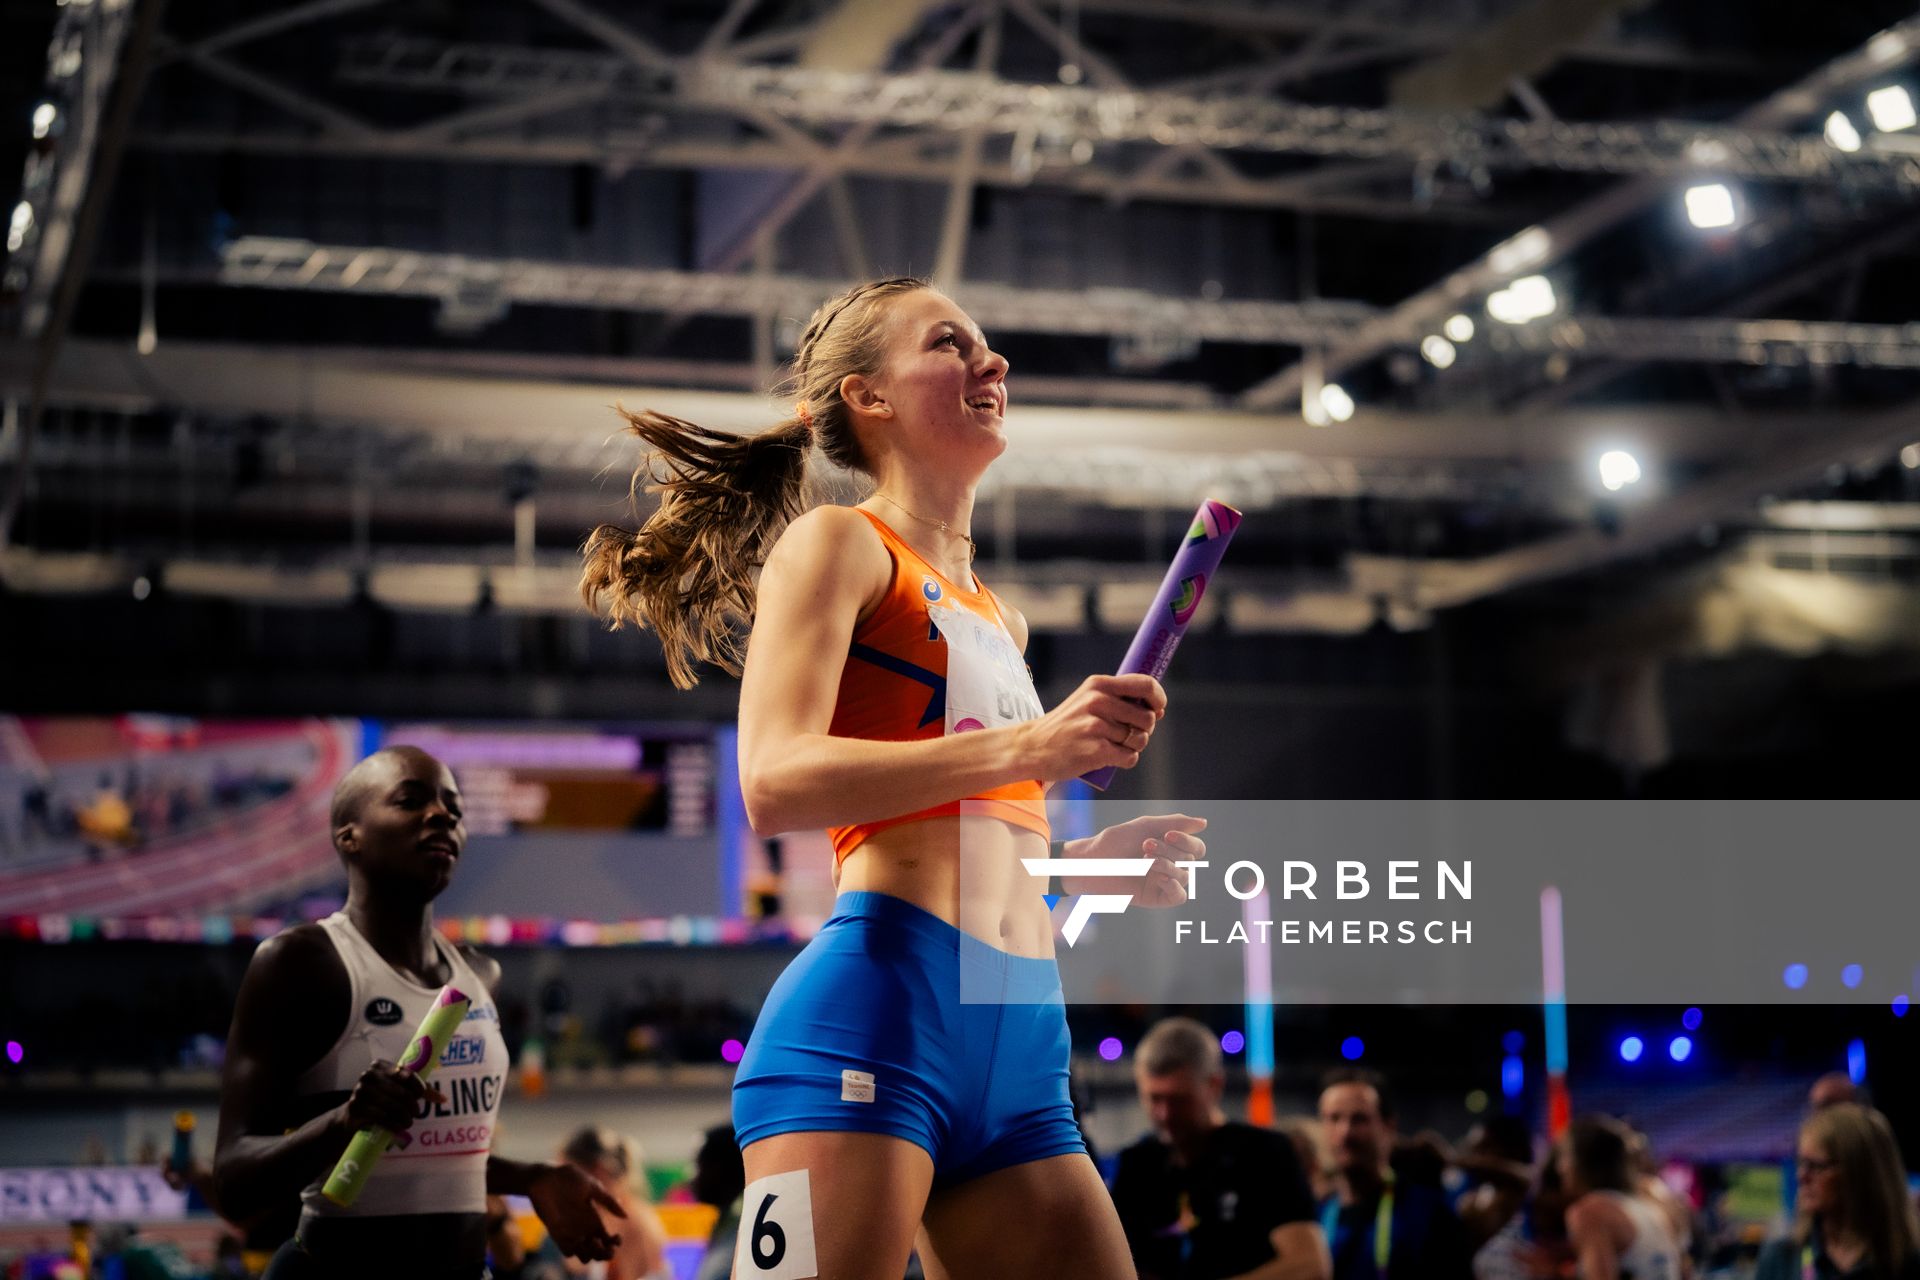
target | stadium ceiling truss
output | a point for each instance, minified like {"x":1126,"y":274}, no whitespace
{"x":529,"y":105}
{"x":1199,"y":140}
{"x":484,"y":286}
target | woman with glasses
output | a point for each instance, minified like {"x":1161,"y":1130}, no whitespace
{"x":1856,"y":1217}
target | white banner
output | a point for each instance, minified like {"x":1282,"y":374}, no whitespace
{"x":104,"y":1195}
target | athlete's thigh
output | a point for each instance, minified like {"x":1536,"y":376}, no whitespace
{"x":1048,"y":1219}
{"x":864,"y":1196}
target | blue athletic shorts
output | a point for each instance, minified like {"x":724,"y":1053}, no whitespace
{"x":979,"y":1085}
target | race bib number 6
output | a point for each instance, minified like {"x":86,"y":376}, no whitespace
{"x":776,"y":1230}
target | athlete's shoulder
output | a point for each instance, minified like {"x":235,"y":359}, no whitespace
{"x":833,"y":527}
{"x":484,"y":967}
{"x":829,"y":545}
{"x":296,"y":983}
{"x":303,"y":952}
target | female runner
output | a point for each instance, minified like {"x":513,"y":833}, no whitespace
{"x":884,"y":698}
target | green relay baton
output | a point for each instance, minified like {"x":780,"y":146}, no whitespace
{"x":422,"y":1055}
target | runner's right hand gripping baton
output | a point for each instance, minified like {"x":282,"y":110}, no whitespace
{"x":1193,"y":567}
{"x":423,"y":1054}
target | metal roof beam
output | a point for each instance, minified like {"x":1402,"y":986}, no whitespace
{"x":1541,"y":246}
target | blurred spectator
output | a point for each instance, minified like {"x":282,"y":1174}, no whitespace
{"x":719,"y":1179}
{"x":1375,"y":1224}
{"x":507,"y":1257}
{"x":1304,"y":1133}
{"x":1421,"y":1160}
{"x":107,"y":821}
{"x":1834,"y":1088}
{"x":1855,"y":1216}
{"x":1615,"y":1229}
{"x":1651,"y":1185}
{"x":615,"y":1163}
{"x":229,"y":1260}
{"x":1497,"y":1158}
{"x":1203,"y":1197}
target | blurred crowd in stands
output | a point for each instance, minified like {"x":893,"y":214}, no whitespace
{"x":122,"y":808}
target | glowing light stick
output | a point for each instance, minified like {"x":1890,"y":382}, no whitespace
{"x":183,"y":1122}
{"x":423,"y":1054}
{"x":1553,"y":983}
{"x":1166,"y":622}
{"x":1259,"y":970}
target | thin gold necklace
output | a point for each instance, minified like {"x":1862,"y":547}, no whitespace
{"x":972,"y":549}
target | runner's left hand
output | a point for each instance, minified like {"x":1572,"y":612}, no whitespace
{"x":1166,"y":838}
{"x":568,"y":1201}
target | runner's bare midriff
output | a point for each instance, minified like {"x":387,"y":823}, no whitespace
{"x":967,"y":871}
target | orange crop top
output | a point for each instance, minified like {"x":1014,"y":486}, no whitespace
{"x":894,"y":687}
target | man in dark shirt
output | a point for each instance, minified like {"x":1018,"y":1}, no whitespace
{"x":1379,"y":1226}
{"x":1204,"y":1197}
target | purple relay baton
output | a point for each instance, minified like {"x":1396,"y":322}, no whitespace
{"x":1193,"y":568}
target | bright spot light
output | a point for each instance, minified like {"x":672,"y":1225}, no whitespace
{"x":1857,"y":1061}
{"x":1710,"y":206}
{"x":1513,"y":1076}
{"x":1438,"y":351}
{"x":1851,"y":975}
{"x":43,"y":117}
{"x":1527,"y":298}
{"x":1910,"y":457}
{"x":1352,"y":1047}
{"x":1524,"y":250}
{"x":1458,"y":327}
{"x":1891,"y":109}
{"x":1111,"y":1049}
{"x":1708,"y":151}
{"x":1232,"y":1042}
{"x":1841,"y":135}
{"x":732,"y":1050}
{"x":1618,"y":469}
{"x":1886,"y":46}
{"x":1795,"y":976}
{"x":18,"y":226}
{"x":14,"y":1052}
{"x":1631,"y":1049}
{"x":142,"y":588}
{"x":1680,"y":1048}
{"x":1335,"y":400}
{"x":1900,"y":1005}
{"x":1690,"y":1019}
{"x":1477,"y":1101}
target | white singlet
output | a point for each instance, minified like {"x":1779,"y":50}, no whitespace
{"x":440,"y":1164}
{"x":1653,"y":1255}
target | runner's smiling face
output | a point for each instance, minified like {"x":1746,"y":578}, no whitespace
{"x":942,"y":392}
